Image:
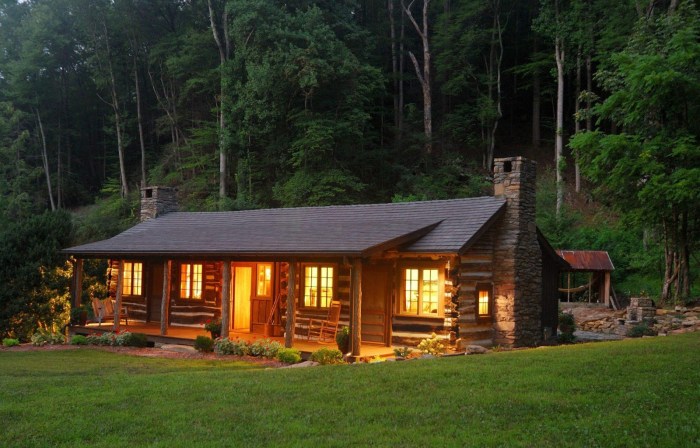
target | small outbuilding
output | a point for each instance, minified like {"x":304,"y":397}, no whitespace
{"x":597,"y":264}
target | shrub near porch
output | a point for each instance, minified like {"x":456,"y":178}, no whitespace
{"x":641,"y":392}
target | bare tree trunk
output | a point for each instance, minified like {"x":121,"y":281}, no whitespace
{"x":224,"y":45}
{"x":495,"y":61}
{"x":589,"y":89}
{"x":59,"y":167}
{"x":559,"y":55}
{"x":577,"y":118}
{"x":140,"y":121}
{"x":536,"y":103}
{"x":394,"y":66}
{"x":424,"y":73}
{"x":45,"y":160}
{"x":402,"y":64}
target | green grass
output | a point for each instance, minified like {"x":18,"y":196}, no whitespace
{"x":643,"y":392}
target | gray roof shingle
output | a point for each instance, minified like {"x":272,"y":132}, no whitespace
{"x":444,"y":226}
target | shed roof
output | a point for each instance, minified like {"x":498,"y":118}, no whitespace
{"x":445,"y":226}
{"x":587,"y":260}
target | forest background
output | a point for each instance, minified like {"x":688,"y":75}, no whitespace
{"x":264,"y":103}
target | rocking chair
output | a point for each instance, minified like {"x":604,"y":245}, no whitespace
{"x":326,"y":329}
{"x":104,"y":310}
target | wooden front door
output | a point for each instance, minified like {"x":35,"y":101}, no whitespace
{"x":376,"y":297}
{"x":263,"y":292}
{"x":155,"y":291}
{"x":242,"y":289}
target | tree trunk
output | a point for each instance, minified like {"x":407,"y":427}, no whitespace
{"x":536,"y":103}
{"x":140,"y":122}
{"x":45,"y":160}
{"x":394,"y":67}
{"x":589,"y":89}
{"x":424,"y":73}
{"x":577,"y":118}
{"x":495,"y":61}
{"x":559,"y":138}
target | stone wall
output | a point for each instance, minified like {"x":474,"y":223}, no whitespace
{"x":157,"y":201}
{"x":517,"y":256}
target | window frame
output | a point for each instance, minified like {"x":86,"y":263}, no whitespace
{"x":302,"y":285}
{"x":421,"y":266}
{"x":131,"y":278}
{"x":191,"y":286}
{"x":489,"y":290}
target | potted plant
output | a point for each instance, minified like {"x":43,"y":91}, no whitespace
{"x":214,"y":327}
{"x":342,"y":339}
{"x":79,"y":315}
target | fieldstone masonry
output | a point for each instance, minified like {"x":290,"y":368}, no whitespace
{"x":517,"y":271}
{"x":157,"y":201}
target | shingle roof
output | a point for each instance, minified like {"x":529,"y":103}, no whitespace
{"x":445,"y":226}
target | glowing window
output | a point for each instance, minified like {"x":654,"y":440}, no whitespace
{"x":190,"y":281}
{"x":133,"y":279}
{"x":421,"y":292}
{"x":318,"y":286}
{"x":264,"y":280}
{"x":483,"y":303}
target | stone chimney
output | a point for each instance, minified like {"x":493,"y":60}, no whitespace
{"x":157,"y":201}
{"x":517,"y":256}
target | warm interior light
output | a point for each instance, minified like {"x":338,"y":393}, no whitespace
{"x":483,"y":303}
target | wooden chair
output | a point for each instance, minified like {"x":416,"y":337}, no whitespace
{"x":104,"y":310}
{"x":325,"y":329}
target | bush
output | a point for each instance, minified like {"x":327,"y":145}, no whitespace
{"x":226,"y":346}
{"x":132,"y":340}
{"x":265,"y":348}
{"x":402,"y":352}
{"x":432,"y":345}
{"x":567,"y":326}
{"x":9,"y":342}
{"x":204,"y":344}
{"x":79,"y":339}
{"x":326,"y":356}
{"x":101,"y":339}
{"x":342,"y":338}
{"x":640,"y":330}
{"x":288,"y":355}
{"x":43,"y":337}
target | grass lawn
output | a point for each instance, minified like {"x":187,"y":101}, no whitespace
{"x":643,"y":392}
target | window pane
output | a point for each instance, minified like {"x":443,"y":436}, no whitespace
{"x":197,"y":281}
{"x":185,"y":281}
{"x":126,"y":284}
{"x":137,"y":279}
{"x":310,"y":285}
{"x":430,"y":291}
{"x":483,"y":302}
{"x":326,"y":286}
{"x":411,"y":291}
{"x":264,"y":280}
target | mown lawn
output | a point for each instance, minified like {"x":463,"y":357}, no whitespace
{"x":643,"y":392}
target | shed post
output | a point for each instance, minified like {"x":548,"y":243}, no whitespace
{"x":165,"y":302}
{"x":118,"y":301}
{"x":356,"y":308}
{"x":77,"y":282}
{"x":606,"y":289}
{"x":291,"y":304}
{"x":225,"y":298}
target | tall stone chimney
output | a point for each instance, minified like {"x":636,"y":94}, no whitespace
{"x":517,"y":256}
{"x":157,"y":201}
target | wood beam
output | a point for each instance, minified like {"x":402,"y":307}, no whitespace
{"x":165,"y":300}
{"x":118,"y":301}
{"x":606,"y":289}
{"x":77,"y":282}
{"x":356,"y":308}
{"x":291,"y":304}
{"x":225,"y":299}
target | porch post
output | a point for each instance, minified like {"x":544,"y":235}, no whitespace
{"x":225,"y":298}
{"x":291,"y":304}
{"x":165,"y":302}
{"x":356,"y":308}
{"x":77,"y":282}
{"x":118,"y":301}
{"x":606,"y":288}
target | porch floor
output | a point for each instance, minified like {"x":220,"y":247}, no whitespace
{"x":186,"y":336}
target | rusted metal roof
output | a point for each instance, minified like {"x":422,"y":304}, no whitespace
{"x":587,"y":260}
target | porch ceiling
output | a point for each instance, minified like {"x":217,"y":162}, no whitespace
{"x":353,"y":230}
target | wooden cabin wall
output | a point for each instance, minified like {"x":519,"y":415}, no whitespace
{"x":197,"y":312}
{"x":475,"y":267}
{"x":550,"y":293}
{"x":135,"y":305}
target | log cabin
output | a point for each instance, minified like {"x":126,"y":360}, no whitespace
{"x":474,"y":270}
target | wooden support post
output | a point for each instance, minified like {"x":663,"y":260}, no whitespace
{"x":165,"y":301}
{"x":606,"y":289}
{"x":225,"y":299}
{"x":356,"y":308}
{"x":291,"y":304}
{"x":118,"y":301}
{"x":77,"y":283}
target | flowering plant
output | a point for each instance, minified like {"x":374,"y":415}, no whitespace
{"x":213,"y":325}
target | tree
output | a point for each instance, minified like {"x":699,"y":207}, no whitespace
{"x":652,"y":167}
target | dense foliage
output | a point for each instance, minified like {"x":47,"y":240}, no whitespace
{"x":265,"y":103}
